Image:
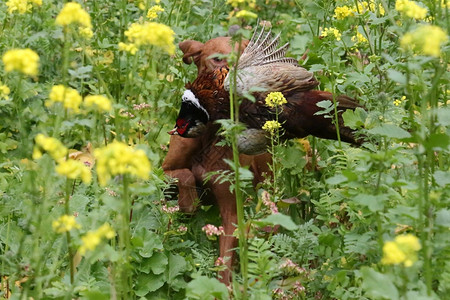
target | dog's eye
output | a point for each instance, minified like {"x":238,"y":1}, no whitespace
{"x":216,"y":59}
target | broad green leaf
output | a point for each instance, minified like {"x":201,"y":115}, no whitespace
{"x":443,"y":217}
{"x":378,"y":285}
{"x":354,"y":119}
{"x":390,"y":131}
{"x":205,"y":288}
{"x":177,"y":265}
{"x":374,"y":203}
{"x":147,"y":283}
{"x":437,"y":141}
{"x":278,"y":219}
{"x":442,"y":178}
{"x":336,"y":179}
{"x":396,"y":76}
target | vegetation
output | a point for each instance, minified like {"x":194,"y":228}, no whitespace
{"x":89,"y":89}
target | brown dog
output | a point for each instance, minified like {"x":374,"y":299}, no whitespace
{"x":188,"y":160}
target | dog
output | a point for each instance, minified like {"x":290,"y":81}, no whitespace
{"x":190,"y":159}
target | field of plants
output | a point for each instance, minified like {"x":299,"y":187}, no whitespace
{"x":89,"y":89}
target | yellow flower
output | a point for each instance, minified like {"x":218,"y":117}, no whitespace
{"x":153,"y":11}
{"x":246,"y":14}
{"x":402,"y":250}
{"x":100,"y":102}
{"x":411,"y":9}
{"x":69,"y":97}
{"x":152,"y":33}
{"x":74,"y":169}
{"x":86,"y":32}
{"x":236,"y":3}
{"x":22,"y":60}
{"x":331,"y":31}
{"x":51,"y":145}
{"x":275,"y":99}
{"x":342,"y":12}
{"x":4,"y":91}
{"x":445,"y":3}
{"x":271,"y":126}
{"x":365,"y":6}
{"x":73,"y":13}
{"x":397,"y":102}
{"x":65,"y":223}
{"x":93,"y":238}
{"x":359,"y":38}
{"x":21,"y":6}
{"x":119,"y":158}
{"x":426,"y":39}
{"x":131,"y":48}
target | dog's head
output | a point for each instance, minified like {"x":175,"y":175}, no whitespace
{"x":200,"y":53}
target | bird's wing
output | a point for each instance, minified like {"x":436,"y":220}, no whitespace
{"x":263,"y":49}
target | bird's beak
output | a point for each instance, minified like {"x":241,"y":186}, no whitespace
{"x":173,"y":131}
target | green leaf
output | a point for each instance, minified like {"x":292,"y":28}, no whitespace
{"x":354,"y":119}
{"x":336,"y":179}
{"x":437,"y":141}
{"x":443,"y":115}
{"x":378,"y":285}
{"x":442,"y":178}
{"x":206,"y":288}
{"x":147,"y":283}
{"x":443,"y":217}
{"x":157,"y":263}
{"x":177,"y":265}
{"x":374,"y":203}
{"x":396,"y":76}
{"x":278,"y":219}
{"x":390,"y":131}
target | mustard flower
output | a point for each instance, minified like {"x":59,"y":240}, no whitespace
{"x":365,"y":6}
{"x":152,"y":33}
{"x":73,"y":13}
{"x":397,"y":102}
{"x":359,"y":38}
{"x":21,"y":6}
{"x":69,"y":97}
{"x":426,"y":39}
{"x":50,"y":145}
{"x":4,"y":91}
{"x":93,"y":238}
{"x":65,"y":223}
{"x":271,"y":126}
{"x":130,"y":48}
{"x":246,"y":14}
{"x":101,"y":103}
{"x":86,"y":32}
{"x":119,"y":158}
{"x":445,"y":4}
{"x":331,"y":31}
{"x":411,"y":9}
{"x":22,"y":60}
{"x":403,"y":250}
{"x":153,"y":11}
{"x":342,"y":12}
{"x":275,"y":99}
{"x":74,"y":169}
{"x":237,"y":3}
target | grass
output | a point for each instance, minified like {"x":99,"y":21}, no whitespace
{"x":339,"y":206}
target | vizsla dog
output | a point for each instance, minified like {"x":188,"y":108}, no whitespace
{"x":188,"y":160}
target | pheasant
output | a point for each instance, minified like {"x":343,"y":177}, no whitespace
{"x":207,"y":98}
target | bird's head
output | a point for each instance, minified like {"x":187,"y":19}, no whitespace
{"x":192,"y":118}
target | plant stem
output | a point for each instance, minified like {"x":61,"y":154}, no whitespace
{"x":124,"y":242}
{"x":69,"y":246}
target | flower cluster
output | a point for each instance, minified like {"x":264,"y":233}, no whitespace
{"x":397,"y":102}
{"x":182,"y":229}
{"x":425,"y":39}
{"x":21,"y":6}
{"x":170,"y":209}
{"x":70,"y":98}
{"x":4,"y":91}
{"x":342,"y":12}
{"x":359,"y":38}
{"x":212,"y":230}
{"x":237,"y":3}
{"x":119,"y":158}
{"x":102,"y":103}
{"x":151,"y":33}
{"x":265,"y":196}
{"x":131,"y":48}
{"x":411,"y":9}
{"x":403,"y":250}
{"x":65,"y":223}
{"x":271,"y":126}
{"x":288,"y":266}
{"x":93,"y":238}
{"x":275,"y":99}
{"x":153,"y":11}
{"x":73,"y":13}
{"x":331,"y":31}
{"x":50,"y":145}
{"x":74,"y":169}
{"x":141,"y":106}
{"x":22,"y":60}
{"x":246,"y":14}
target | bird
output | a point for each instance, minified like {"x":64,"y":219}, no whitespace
{"x":266,"y":67}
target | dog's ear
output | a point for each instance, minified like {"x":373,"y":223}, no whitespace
{"x":191,"y":49}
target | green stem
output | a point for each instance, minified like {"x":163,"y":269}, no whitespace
{"x":124,"y":242}
{"x":68,"y":237}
